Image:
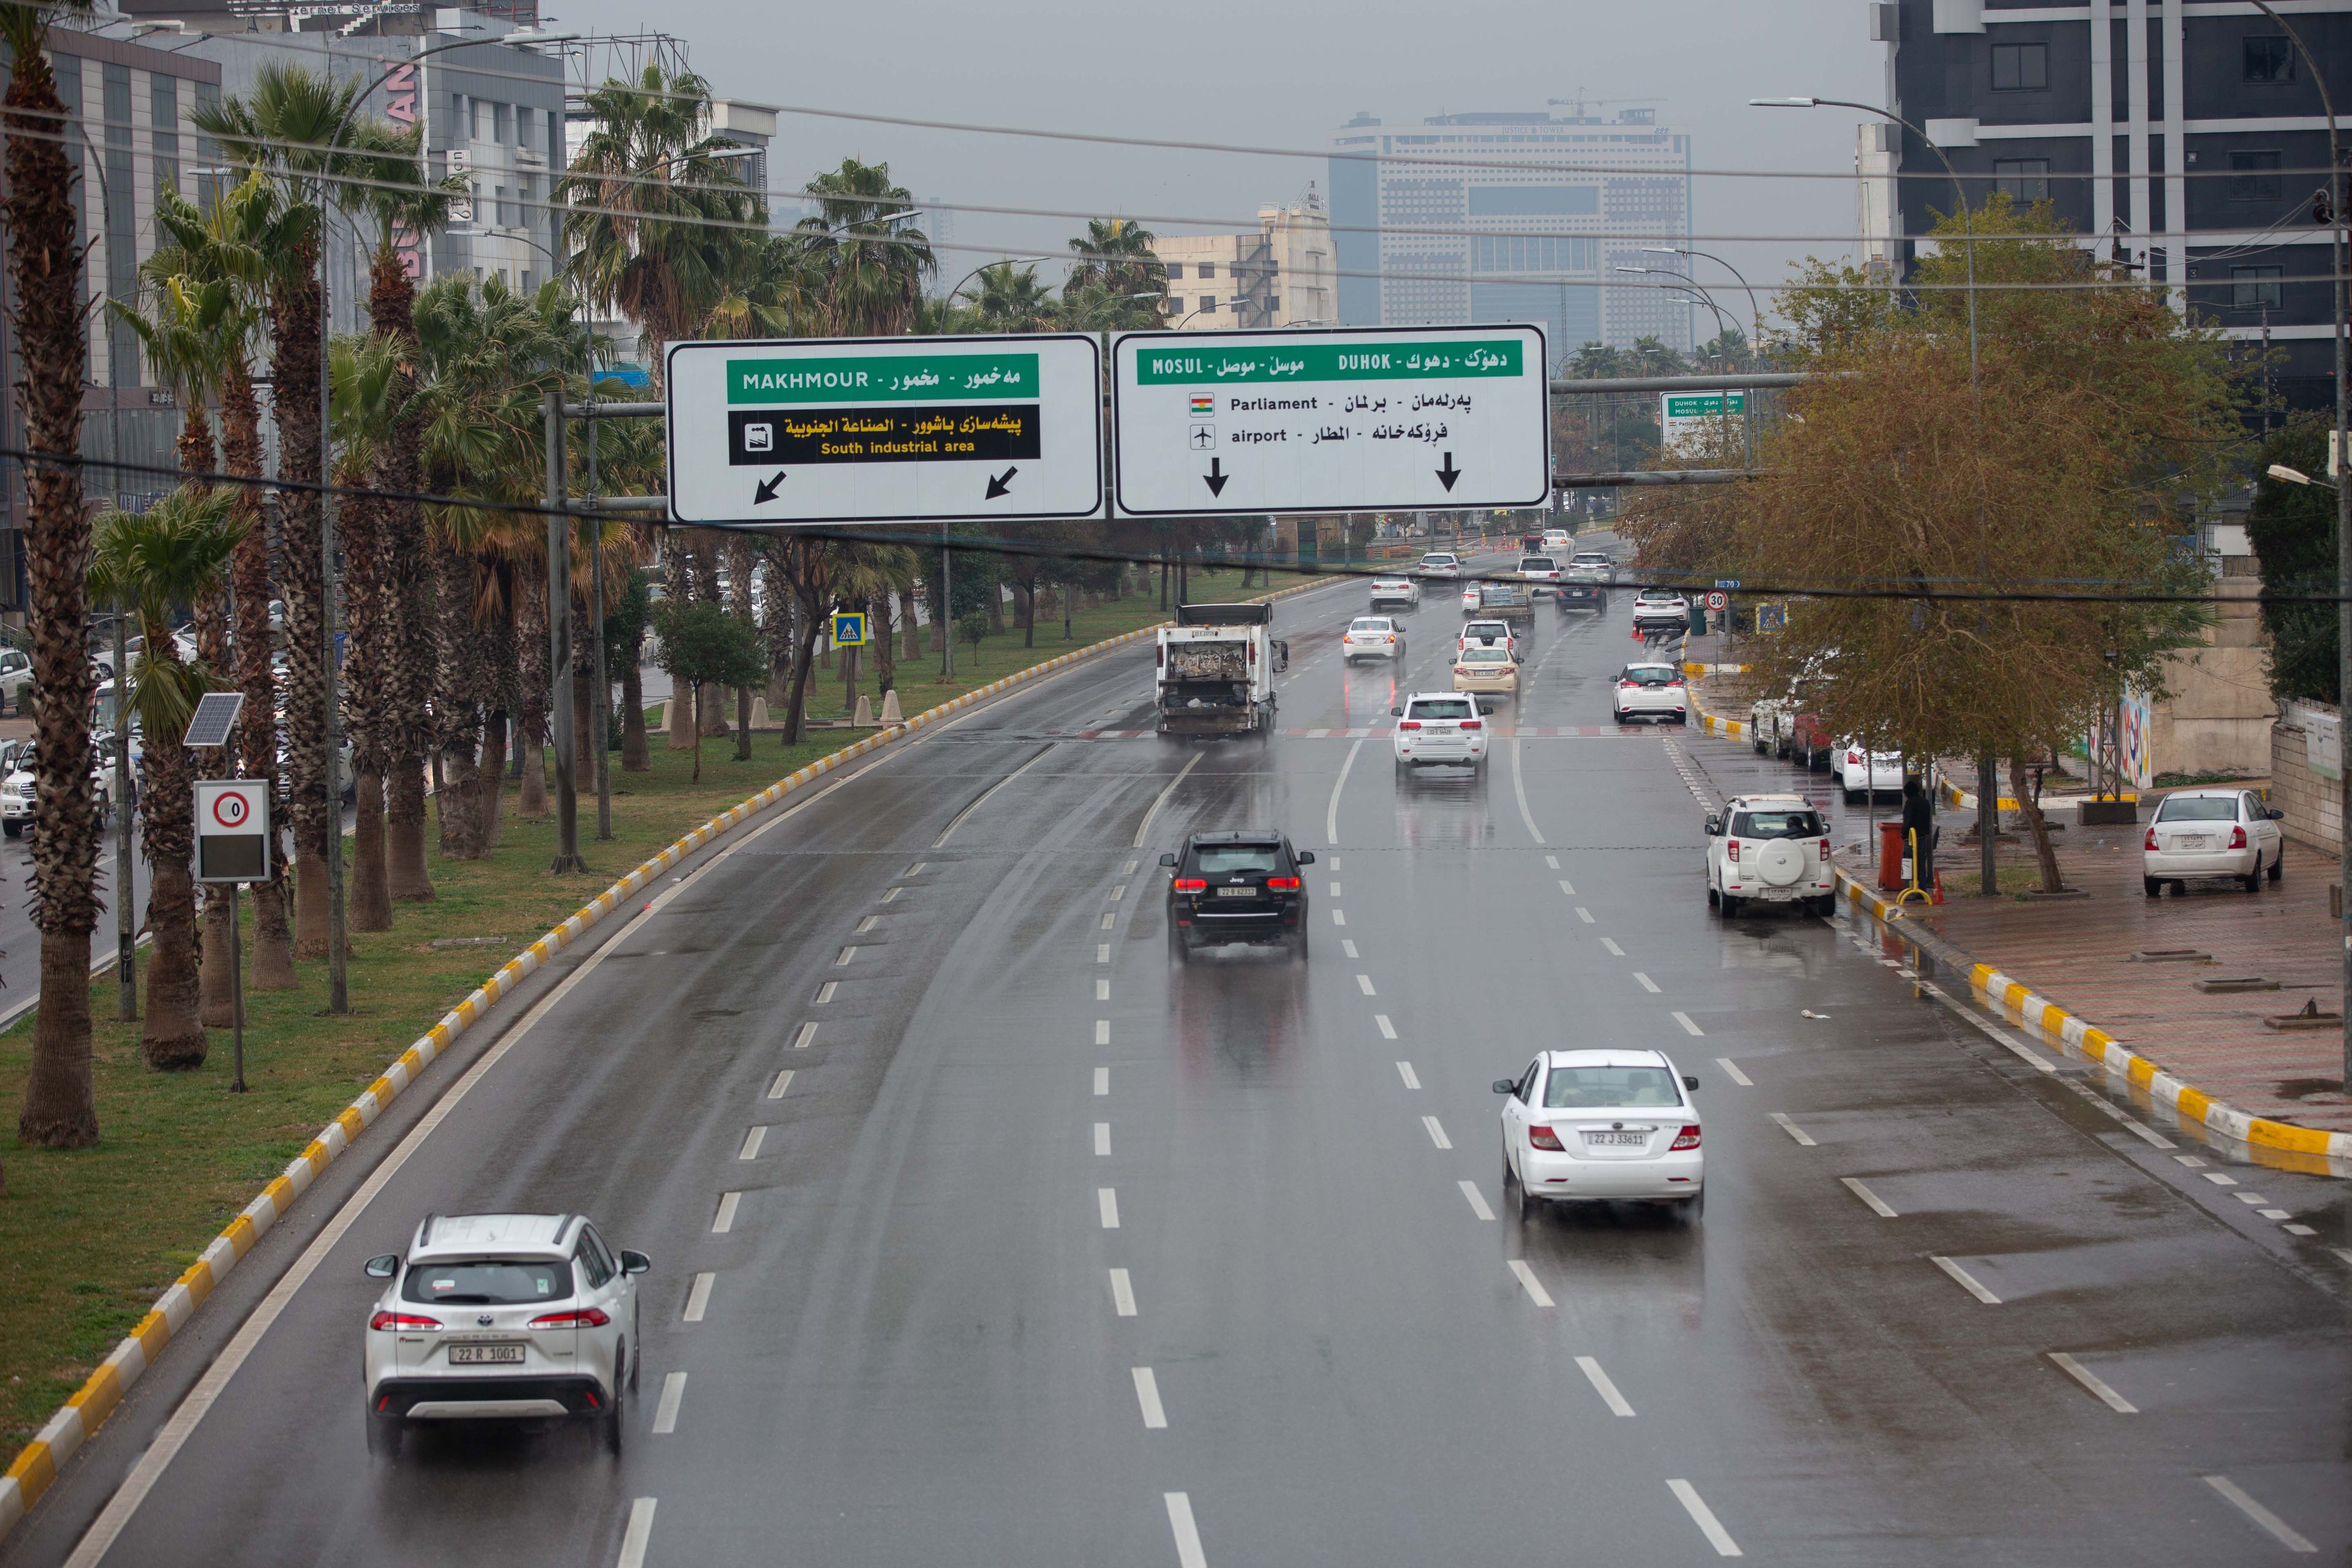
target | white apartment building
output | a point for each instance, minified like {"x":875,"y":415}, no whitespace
{"x":1284,"y":275}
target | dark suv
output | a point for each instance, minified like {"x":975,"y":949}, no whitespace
{"x":1240,"y":886}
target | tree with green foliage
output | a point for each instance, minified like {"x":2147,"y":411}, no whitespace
{"x":626,"y":620}
{"x":704,"y":643}
{"x":2292,"y":530}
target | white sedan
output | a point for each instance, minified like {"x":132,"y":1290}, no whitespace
{"x":1439,"y":563}
{"x":1863,"y":773}
{"x":1371,"y":637}
{"x":501,"y":1316}
{"x":2212,"y":833}
{"x":1599,"y":1127}
{"x":1473,"y":597}
{"x":1650,"y":692}
{"x":1396,"y":590}
{"x":1769,"y":849}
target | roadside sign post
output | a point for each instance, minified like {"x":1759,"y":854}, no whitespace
{"x":1366,"y":419}
{"x":233,"y":848}
{"x":807,"y":431}
{"x":849,"y":628}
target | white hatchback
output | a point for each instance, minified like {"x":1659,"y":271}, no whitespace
{"x":1863,"y":773}
{"x":1440,"y":729}
{"x":1770,"y":848}
{"x":501,"y":1316}
{"x":1600,"y":1127}
{"x":2212,"y":833}
{"x":1395,"y":590}
{"x":1650,"y":692}
{"x":1371,"y":637}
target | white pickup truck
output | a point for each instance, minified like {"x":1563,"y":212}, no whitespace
{"x":1215,"y":670}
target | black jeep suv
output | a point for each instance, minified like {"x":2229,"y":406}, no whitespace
{"x":1240,"y":886}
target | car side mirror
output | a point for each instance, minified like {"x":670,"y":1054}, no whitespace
{"x":636,"y":1262}
{"x":383,"y":1267}
{"x":1516,"y":659}
{"x":1304,"y":857}
{"x":1487,"y":705}
{"x":1396,"y":712}
{"x":1507,"y":1086}
{"x":2276,"y":815}
{"x":1690,"y":1080}
{"x":1714,"y":827}
{"x":1168,"y":859}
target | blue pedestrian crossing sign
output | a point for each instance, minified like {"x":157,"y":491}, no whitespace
{"x":849,"y":628}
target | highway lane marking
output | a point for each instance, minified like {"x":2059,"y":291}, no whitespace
{"x":724,"y":1221}
{"x":1339,"y":917}
{"x":1102,"y":1139}
{"x":1533,"y":1285}
{"x":2343,"y":1252}
{"x":1129,"y":869}
{"x":1335,"y":862}
{"x":666,"y":1413}
{"x":1102,"y":952}
{"x":698,"y":1299}
{"x":1411,"y":1079}
{"x":1732,"y":1068}
{"x":1552,"y":861}
{"x":640,"y":1529}
{"x":1477,"y":1199}
{"x":914,"y":870}
{"x":890,"y":895}
{"x":2000,"y":1037}
{"x":1877,"y":1204}
{"x":1602,"y":1386}
{"x":1567,"y":886}
{"x":1122,"y":1294}
{"x":1584,"y":914}
{"x":949,"y":830}
{"x":1648,"y":985}
{"x":2287,"y":1534}
{"x":1102,"y":1080}
{"x":1689,"y":1027}
{"x":1615,"y":951}
{"x":2191,"y":1160}
{"x":1102,"y":990}
{"x":1102,"y":1031}
{"x":801,"y":1041}
{"x":1145,"y":825}
{"x":2220,"y":1179}
{"x":1107,"y":1205}
{"x":869,"y":924}
{"x":846,"y":955}
{"x":2252,"y":1200}
{"x":1704,"y":1517}
{"x":2094,"y":1382}
{"x":1110,"y":919}
{"x":1118,"y":892}
{"x":1334,"y":889}
{"x":1519,"y":788}
{"x":2294,"y":1230}
{"x":1348,"y":947}
{"x":1332,"y":812}
{"x":1364,"y":984}
{"x":1147,"y":1395}
{"x":782,"y":1081}
{"x":1188,"y":1534}
{"x":1388,"y":1030}
{"x":1966,"y":1281}
{"x":824,"y":992}
{"x":1436,"y":1133}
{"x":1791,"y":1129}
{"x":751,"y":1142}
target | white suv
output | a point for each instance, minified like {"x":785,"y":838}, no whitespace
{"x":1649,"y":690}
{"x":1591,"y":566}
{"x":1440,"y":729}
{"x":1541,"y":573}
{"x":1770,"y":848}
{"x":2212,"y":833}
{"x":501,"y":1316}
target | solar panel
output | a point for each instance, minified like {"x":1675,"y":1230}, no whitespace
{"x":215,"y":718}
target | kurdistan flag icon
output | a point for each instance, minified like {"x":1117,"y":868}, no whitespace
{"x":1203,"y":407}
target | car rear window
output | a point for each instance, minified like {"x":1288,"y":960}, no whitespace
{"x":1224,"y":859}
{"x":1590,"y":560}
{"x":1484,"y":656}
{"x":1776,"y":824}
{"x":489,"y":1281}
{"x":1538,"y":564}
{"x":1651,"y":675}
{"x":1606,"y":1088}
{"x":1443,"y":708}
{"x":2202,"y":808}
{"x":1370,"y":623}
{"x":1485,"y":630}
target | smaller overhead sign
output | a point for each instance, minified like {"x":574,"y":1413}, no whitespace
{"x":232,"y":830}
{"x":849,"y":628}
{"x":1682,"y":413}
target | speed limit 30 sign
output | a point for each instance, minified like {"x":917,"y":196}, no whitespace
{"x":1717,"y":600}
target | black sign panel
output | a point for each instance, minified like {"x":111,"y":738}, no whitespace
{"x":781,"y":437}
{"x":232,"y":857}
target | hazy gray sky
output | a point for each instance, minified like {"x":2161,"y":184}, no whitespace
{"x":1281,"y":74}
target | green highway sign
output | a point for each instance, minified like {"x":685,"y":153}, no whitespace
{"x":1680,"y":413}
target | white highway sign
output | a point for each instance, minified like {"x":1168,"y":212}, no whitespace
{"x":1362,"y":419}
{"x":885,"y":429}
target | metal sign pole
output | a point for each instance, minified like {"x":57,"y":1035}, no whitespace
{"x":236,"y":996}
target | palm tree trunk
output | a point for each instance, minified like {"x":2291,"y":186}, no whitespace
{"x":408,"y":718}
{"x":914,"y":628}
{"x":585,"y":737}
{"x":257,"y":738}
{"x":494,"y":778}
{"x":803,"y":668}
{"x":531,"y":661}
{"x":496,"y":644}
{"x":677,"y":588}
{"x":457,"y":704}
{"x":171,"y":1036}
{"x":366,"y":582}
{"x":636,"y":758}
{"x":294,"y":316}
{"x":45,"y":264}
{"x":886,"y":644}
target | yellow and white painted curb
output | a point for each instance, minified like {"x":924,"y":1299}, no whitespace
{"x":36,"y":1468}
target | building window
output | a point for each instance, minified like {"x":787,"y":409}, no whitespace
{"x":1208,"y":269}
{"x":2253,"y":176}
{"x":497,"y":122}
{"x":2255,"y":288}
{"x":2269,"y":60}
{"x":2022,"y":180}
{"x":1208,"y":301}
{"x":163,"y":107}
{"x":2020,"y":68}
{"x":1273,"y":303}
{"x":525,"y":280}
{"x":1176,"y":271}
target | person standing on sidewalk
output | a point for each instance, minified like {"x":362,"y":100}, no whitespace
{"x":1919,"y":829}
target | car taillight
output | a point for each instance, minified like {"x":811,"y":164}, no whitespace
{"x":585,"y":1318}
{"x":1283,"y":884}
{"x":1825,"y":851}
{"x":1472,"y":724}
{"x":1191,"y":884}
{"x":1252,"y":653}
{"x":1731,"y":851}
{"x":402,"y":1320}
{"x":1674,"y":686}
{"x":1545,"y":1138}
{"x":1160,"y":656}
{"x":1629,"y":686}
{"x":2151,"y":842}
{"x":1685,"y":1138}
{"x":2237,"y":838}
{"x":1408,"y":723}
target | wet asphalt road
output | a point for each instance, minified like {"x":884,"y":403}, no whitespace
{"x":918,"y":1344}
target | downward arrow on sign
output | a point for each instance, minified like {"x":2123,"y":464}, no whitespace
{"x":1216,"y":476}
{"x":1448,"y":474}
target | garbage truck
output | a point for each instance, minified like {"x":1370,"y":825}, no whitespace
{"x":1215,"y":670}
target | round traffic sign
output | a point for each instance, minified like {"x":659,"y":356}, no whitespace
{"x":1718,"y":601}
{"x":229,"y":809}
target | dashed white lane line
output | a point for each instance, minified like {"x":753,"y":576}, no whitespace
{"x":2190,"y":1159}
{"x":781,"y":1082}
{"x":1603,"y":1387}
{"x":824,"y":992}
{"x":846,"y":955}
{"x":1791,"y":1129}
{"x":1877,"y":1204}
{"x":869,"y":924}
{"x":1615,"y":951}
{"x":1552,"y":861}
{"x":1102,"y":1031}
{"x":1332,"y":812}
{"x":948,"y":831}
{"x":1347,"y":946}
{"x":1147,"y":1395}
{"x":1102,"y":952}
{"x":1107,"y":1205}
{"x":673,"y":1394}
{"x":1364,"y":984}
{"x":1334,"y":889}
{"x":1966,"y":1280}
{"x":1689,"y":1027}
{"x":1118,"y":892}
{"x":807,"y":1033}
{"x":1519,"y":788}
{"x":2093,"y":1382}
{"x":639,"y":1532}
{"x":1188,"y":1534}
{"x":1584,"y":914}
{"x":1567,"y":886}
{"x":2296,"y":1229}
{"x":1143,"y":827}
{"x":1436,"y":1133}
{"x":915,"y":869}
{"x":1388,"y":1030}
{"x":1704,"y":1517}
{"x":1732,"y":1068}
{"x":1102,"y":1139}
{"x":1129,"y":869}
{"x":2220,"y":1179}
{"x":1339,"y":917}
{"x":1477,"y":1200}
{"x":2252,"y":1200}
{"x":1411,"y":1079}
{"x":698,"y":1297}
{"x":891,"y":896}
{"x":1122,"y":1294}
{"x":724,"y":1221}
{"x":1648,"y":985}
{"x":1102,"y":990}
{"x":1110,"y":919}
{"x":751,"y":1142}
{"x":2287,"y":1534}
{"x":1527,"y":1280}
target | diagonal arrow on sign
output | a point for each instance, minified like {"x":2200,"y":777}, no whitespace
{"x":999,"y":484}
{"x":765,"y":491}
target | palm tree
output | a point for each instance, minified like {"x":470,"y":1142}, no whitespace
{"x":1006,"y":297}
{"x":44,"y":265}
{"x":871,"y":266}
{"x":364,"y":386}
{"x":150,"y":563}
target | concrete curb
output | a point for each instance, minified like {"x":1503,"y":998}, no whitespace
{"x":34,"y":1469}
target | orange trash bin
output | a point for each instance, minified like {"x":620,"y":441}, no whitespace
{"x":1891,"y":857}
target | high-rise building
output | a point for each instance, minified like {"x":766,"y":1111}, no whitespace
{"x":1511,"y":218}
